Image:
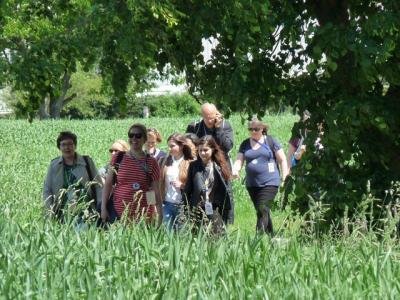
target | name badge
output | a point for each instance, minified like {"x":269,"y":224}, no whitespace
{"x":209,"y":209}
{"x":151,"y":198}
{"x":136,"y":186}
{"x":271,"y":167}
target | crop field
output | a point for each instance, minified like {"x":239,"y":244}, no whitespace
{"x":40,"y":259}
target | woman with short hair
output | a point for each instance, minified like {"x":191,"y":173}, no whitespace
{"x":154,"y":138}
{"x":70,"y":178}
{"x":262,"y":154}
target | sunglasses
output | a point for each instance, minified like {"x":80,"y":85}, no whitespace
{"x":112,"y":150}
{"x":254,"y":129}
{"x":132,"y":135}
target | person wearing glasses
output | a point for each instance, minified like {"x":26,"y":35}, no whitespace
{"x":136,"y":190}
{"x":70,"y":179}
{"x":154,"y":138}
{"x":262,"y":154}
{"x":117,"y":146}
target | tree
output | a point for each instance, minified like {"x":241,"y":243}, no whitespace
{"x":41,"y":43}
{"x":338,"y":59}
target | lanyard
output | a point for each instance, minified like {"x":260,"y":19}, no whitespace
{"x":144,"y":167}
{"x":266,"y":147}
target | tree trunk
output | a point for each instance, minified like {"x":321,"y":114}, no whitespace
{"x":56,"y":104}
{"x":44,"y":109}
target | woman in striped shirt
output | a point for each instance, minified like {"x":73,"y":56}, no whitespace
{"x":136,"y":192}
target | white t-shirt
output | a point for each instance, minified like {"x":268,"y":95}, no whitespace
{"x":173,"y":194}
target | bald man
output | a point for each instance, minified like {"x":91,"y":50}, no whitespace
{"x":213,"y":123}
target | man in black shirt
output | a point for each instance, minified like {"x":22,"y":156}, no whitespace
{"x":214,"y":124}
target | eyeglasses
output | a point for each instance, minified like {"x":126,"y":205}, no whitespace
{"x":132,"y":135}
{"x":254,"y":129}
{"x":112,"y":150}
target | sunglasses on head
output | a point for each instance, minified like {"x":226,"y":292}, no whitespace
{"x":132,"y":135}
{"x":254,"y":129}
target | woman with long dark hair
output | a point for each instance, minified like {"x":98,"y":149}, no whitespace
{"x":208,"y":184}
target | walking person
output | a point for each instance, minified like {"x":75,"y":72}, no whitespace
{"x":136,"y":192}
{"x":174,"y":172}
{"x":117,"y":146}
{"x":262,"y":154}
{"x":207,"y":187}
{"x":213,"y":124}
{"x":71,"y":180}
{"x":154,"y":138}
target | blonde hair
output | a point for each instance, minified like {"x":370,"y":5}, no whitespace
{"x":123,"y":144}
{"x":153,"y":132}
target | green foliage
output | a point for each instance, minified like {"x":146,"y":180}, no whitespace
{"x":41,"y":43}
{"x":172,"y":105}
{"x":40,"y":259}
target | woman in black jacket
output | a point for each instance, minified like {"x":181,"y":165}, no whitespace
{"x":208,"y":185}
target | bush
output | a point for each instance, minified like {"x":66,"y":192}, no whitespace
{"x":172,"y":105}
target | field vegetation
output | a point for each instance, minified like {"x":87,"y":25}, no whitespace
{"x":41,"y":259}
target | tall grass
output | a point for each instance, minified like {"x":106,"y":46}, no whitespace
{"x":41,"y":259}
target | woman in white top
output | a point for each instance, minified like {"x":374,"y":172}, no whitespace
{"x":174,"y":169}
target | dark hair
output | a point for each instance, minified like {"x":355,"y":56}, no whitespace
{"x":217,"y":155}
{"x":181,"y":141}
{"x":142,"y":129}
{"x":66,"y":135}
{"x":191,"y":136}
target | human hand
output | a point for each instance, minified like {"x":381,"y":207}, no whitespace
{"x":235,"y":174}
{"x":177,"y":184}
{"x":104,"y":214}
{"x":218,"y":119}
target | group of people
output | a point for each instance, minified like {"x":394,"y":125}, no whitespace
{"x":192,"y":183}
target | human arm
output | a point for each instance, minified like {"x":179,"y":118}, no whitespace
{"x":281,"y":160}
{"x":188,"y":189}
{"x":96,"y":181}
{"x":156,"y":188}
{"x":107,"y":189}
{"x":48,"y":193}
{"x":237,"y":166}
{"x":299,"y":153}
{"x":224,"y":136}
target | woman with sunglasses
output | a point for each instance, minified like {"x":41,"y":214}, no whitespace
{"x":154,"y":138}
{"x":136,"y":191}
{"x":117,"y":146}
{"x":262,"y":154}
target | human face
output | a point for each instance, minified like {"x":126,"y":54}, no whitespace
{"x":67,"y":148}
{"x":136,"y":139}
{"x":115,"y":148}
{"x":151,"y":142}
{"x":205,"y":153}
{"x":174,"y":149}
{"x":209,"y":116}
{"x":255,"y":132}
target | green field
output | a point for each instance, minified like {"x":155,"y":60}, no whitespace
{"x":39,"y":259}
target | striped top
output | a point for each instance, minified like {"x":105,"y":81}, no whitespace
{"x":132,"y":185}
